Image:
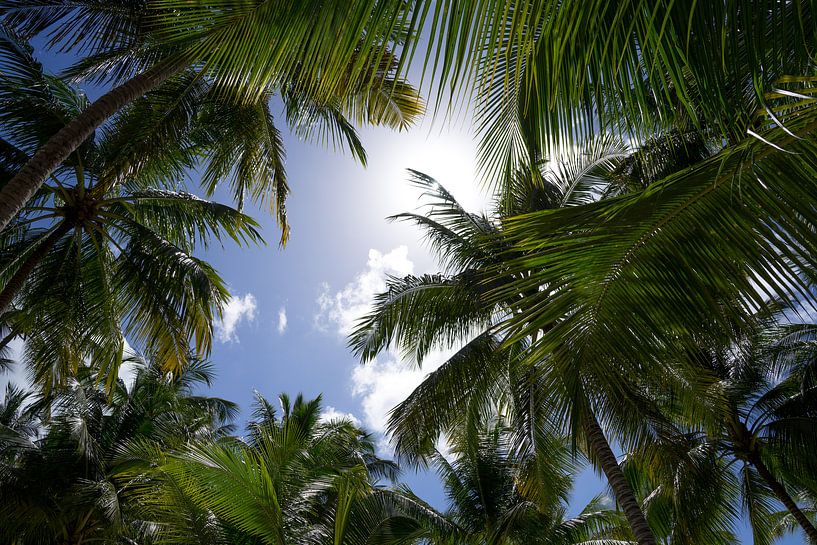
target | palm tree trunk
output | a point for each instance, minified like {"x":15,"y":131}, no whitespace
{"x":25,"y":183}
{"x":621,"y":488}
{"x":8,"y":338}
{"x":782,"y":495}
{"x":15,"y":284}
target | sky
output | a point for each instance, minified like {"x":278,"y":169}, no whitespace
{"x":284,"y":328}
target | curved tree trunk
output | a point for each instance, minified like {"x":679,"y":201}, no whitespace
{"x":8,"y":338}
{"x":25,"y":183}
{"x":782,"y":495}
{"x":621,"y":488}
{"x":15,"y":284}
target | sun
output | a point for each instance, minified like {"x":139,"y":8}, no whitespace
{"x":448,"y":156}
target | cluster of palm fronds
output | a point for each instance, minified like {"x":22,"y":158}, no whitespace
{"x":648,"y":297}
{"x":153,"y":462}
{"x":639,"y":296}
{"x":715,"y":424}
{"x":105,"y":249}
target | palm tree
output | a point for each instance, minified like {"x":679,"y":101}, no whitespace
{"x":747,"y":444}
{"x":98,"y":250}
{"x":296,"y":478}
{"x":768,"y":421}
{"x":500,"y":496}
{"x":325,"y":55}
{"x":60,"y":488}
{"x":688,"y":493}
{"x":418,"y":313}
{"x":631,"y":284}
{"x":621,"y":288}
{"x":626,"y":280}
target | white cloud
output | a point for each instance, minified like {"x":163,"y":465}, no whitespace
{"x":127,"y":371}
{"x":282,"y":320}
{"x":382,"y":384}
{"x":386,"y":381}
{"x":236,"y":310}
{"x":342,"y":309}
{"x":330,"y":413}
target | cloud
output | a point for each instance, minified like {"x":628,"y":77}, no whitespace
{"x":342,"y":309}
{"x":330,"y":414}
{"x":236,"y":310}
{"x":382,"y":384}
{"x":129,"y":367}
{"x":282,"y":320}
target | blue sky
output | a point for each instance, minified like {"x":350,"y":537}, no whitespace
{"x":284,"y":329}
{"x":341,"y":249}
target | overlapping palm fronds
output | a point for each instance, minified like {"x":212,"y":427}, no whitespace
{"x":61,"y":485}
{"x":97,"y":252}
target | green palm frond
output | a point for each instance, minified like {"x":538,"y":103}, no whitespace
{"x":35,"y":104}
{"x":324,"y":124}
{"x":299,"y":478}
{"x":418,"y":314}
{"x":244,"y":147}
{"x":758,"y":505}
{"x":666,"y":256}
{"x":190,"y":122}
{"x":551,"y":73}
{"x":309,"y":45}
{"x":451,"y":231}
{"x":689,"y":494}
{"x":89,"y":25}
{"x":182,"y":218}
{"x":465,"y":386}
{"x":583,"y":174}
{"x":391,"y":103}
{"x":169,"y":295}
{"x":148,"y":144}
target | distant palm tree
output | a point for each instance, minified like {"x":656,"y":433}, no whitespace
{"x":768,"y":426}
{"x":688,"y":493}
{"x":61,"y":487}
{"x":296,"y":479}
{"x":745,"y":442}
{"x":99,"y":249}
{"x":499,"y":494}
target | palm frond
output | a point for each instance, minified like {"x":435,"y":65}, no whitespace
{"x":649,"y":255}
{"x":418,"y":314}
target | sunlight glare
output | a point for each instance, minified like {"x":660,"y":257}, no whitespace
{"x":448,"y":158}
